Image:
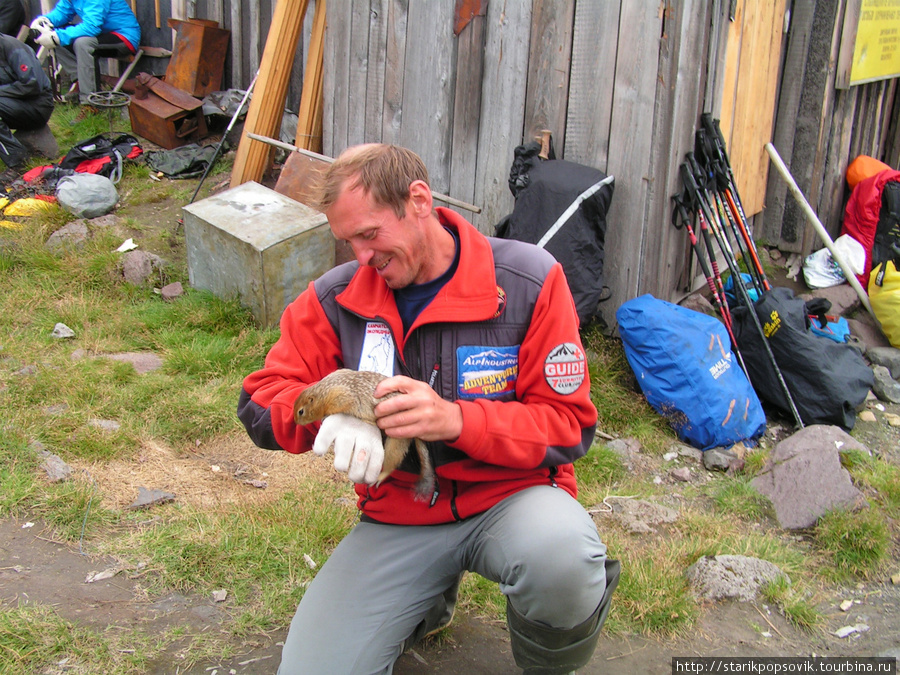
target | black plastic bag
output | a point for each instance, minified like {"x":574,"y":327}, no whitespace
{"x":828,"y":380}
{"x":562,"y":206}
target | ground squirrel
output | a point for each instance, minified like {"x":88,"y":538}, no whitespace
{"x":351,"y":392}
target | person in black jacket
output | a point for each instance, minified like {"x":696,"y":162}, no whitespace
{"x":26,"y":100}
{"x":12,"y":16}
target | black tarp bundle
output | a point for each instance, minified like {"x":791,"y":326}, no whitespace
{"x":562,"y":207}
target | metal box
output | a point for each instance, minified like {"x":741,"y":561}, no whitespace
{"x":256,"y":244}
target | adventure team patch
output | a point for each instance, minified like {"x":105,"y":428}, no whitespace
{"x":486,"y":372}
{"x":565,"y":368}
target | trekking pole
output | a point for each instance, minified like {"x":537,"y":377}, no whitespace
{"x":693,"y":190}
{"x":224,"y":136}
{"x":712,"y":142}
{"x":681,"y":218}
{"x":720,"y":218}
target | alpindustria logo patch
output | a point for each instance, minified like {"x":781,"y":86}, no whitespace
{"x":565,"y":368}
{"x":486,"y":372}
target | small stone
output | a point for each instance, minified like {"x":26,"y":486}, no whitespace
{"x":172,"y":291}
{"x":866,"y":416}
{"x":669,"y":456}
{"x":850,"y":630}
{"x":220,"y":595}
{"x":148,"y":498}
{"x":106,"y":425}
{"x":895,"y":579}
{"x":682,"y":474}
{"x":309,"y":561}
{"x":846,"y":605}
{"x":100,"y":576}
{"x":61,"y":331}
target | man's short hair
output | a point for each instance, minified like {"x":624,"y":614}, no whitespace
{"x":383,"y":171}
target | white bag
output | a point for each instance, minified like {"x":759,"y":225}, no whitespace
{"x":821,"y":270}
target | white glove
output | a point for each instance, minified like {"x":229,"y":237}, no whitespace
{"x":48,"y":39}
{"x":358,"y":450}
{"x":42,"y":24}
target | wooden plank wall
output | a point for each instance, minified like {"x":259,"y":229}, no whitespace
{"x":820,"y":129}
{"x":621,"y":85}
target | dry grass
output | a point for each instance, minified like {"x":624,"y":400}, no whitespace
{"x":227,"y":471}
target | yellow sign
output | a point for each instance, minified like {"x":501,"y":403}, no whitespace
{"x":876,"y":55}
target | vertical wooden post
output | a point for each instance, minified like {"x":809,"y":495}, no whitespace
{"x":309,"y":126}
{"x":267,"y":105}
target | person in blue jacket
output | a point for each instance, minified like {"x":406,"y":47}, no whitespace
{"x":104,"y":23}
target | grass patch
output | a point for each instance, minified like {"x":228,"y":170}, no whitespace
{"x":738,"y":497}
{"x":856,"y":542}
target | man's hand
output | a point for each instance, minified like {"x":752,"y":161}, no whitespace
{"x":41,"y":24}
{"x":358,"y":450}
{"x":48,"y":39}
{"x":417,"y":411}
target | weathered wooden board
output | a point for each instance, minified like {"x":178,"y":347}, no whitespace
{"x":547,"y":90}
{"x":428,"y":88}
{"x":395,"y":54}
{"x":682,"y":79}
{"x":751,"y":80}
{"x":630,"y":142}
{"x":505,"y":52}
{"x":467,"y":111}
{"x":336,"y":119}
{"x":595,"y":39}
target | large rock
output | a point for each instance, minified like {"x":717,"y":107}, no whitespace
{"x":39,"y":142}
{"x":731,"y":577}
{"x":805,"y":479}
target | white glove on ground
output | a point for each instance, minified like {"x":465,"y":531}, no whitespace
{"x":42,"y":24}
{"x":358,"y":450}
{"x":48,"y":39}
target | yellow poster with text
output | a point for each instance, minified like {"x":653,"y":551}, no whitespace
{"x":876,"y":55}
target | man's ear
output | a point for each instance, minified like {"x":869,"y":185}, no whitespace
{"x":420,"y":198}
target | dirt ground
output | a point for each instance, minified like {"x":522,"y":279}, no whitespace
{"x":36,"y":568}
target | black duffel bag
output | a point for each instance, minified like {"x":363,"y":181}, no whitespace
{"x":827,"y":380}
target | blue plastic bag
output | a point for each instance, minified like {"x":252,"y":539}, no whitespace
{"x":836,"y":328}
{"x":683,"y":362}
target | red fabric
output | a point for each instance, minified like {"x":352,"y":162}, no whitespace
{"x":505,"y":441}
{"x":861,"y":215}
{"x":92,"y":165}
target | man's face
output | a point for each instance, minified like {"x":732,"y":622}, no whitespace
{"x":394,"y":247}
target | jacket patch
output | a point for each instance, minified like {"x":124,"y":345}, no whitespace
{"x":565,"y":368}
{"x":486,"y":372}
{"x":501,"y":302}
{"x":377,"y":352}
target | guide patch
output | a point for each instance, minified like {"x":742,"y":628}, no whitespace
{"x":486,"y":372}
{"x":565,"y":368}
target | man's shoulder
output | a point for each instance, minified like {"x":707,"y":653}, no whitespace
{"x":336,"y":279}
{"x":521,"y":256}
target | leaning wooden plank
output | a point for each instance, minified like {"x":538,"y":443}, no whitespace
{"x":595,"y":38}
{"x":834,"y":190}
{"x":267,"y":109}
{"x":506,"y":49}
{"x":548,"y":69}
{"x":429,"y":68}
{"x":467,"y":109}
{"x":630,"y":142}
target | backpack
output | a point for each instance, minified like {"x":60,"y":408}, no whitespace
{"x":827,"y":379}
{"x":683,"y":363}
{"x":871,"y":217}
{"x":561,"y":206}
{"x":103,"y":154}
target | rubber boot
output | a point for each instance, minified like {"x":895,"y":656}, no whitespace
{"x":541,"y":650}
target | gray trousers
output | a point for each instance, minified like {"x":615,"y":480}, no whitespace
{"x":78,"y":59}
{"x":540,"y":545}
